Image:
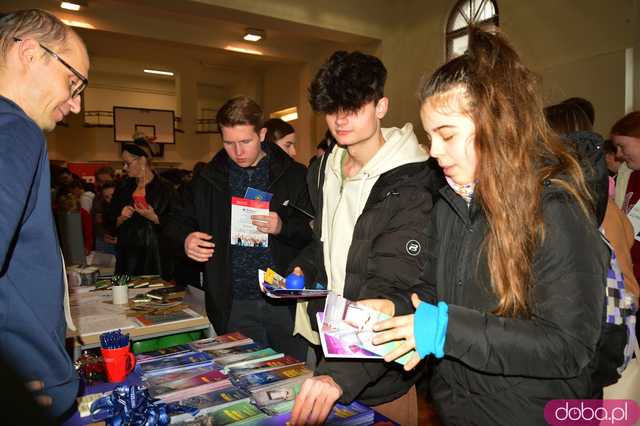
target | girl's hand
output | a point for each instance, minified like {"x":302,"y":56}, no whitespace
{"x":401,"y":329}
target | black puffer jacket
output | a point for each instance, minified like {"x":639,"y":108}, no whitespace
{"x":502,"y":371}
{"x":387,"y":253}
{"x":141,"y":248}
{"x":207,"y":208}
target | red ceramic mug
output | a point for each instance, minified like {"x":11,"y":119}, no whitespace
{"x":118,"y":363}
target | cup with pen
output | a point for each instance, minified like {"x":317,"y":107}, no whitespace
{"x":120,"y":289}
{"x":118,"y":359}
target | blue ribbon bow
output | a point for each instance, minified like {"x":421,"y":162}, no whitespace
{"x":133,"y":406}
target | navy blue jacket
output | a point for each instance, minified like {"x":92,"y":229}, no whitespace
{"x":32,"y":322}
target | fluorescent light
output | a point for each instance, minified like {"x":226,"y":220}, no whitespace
{"x":287,"y":114}
{"x":289,"y":117}
{"x":253,"y":34}
{"x":243,"y":50}
{"x":78,"y":24}
{"x":252,"y":37}
{"x":70,"y":6}
{"x":159,"y":72}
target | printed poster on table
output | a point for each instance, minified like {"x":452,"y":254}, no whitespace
{"x":243,"y":232}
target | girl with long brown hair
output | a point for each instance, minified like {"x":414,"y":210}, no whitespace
{"x":513,"y":294}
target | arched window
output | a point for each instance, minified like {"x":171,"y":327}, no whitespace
{"x":483,"y":13}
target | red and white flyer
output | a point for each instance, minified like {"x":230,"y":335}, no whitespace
{"x":243,"y":232}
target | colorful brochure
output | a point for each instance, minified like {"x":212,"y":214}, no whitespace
{"x":171,"y":365}
{"x":163,"y":353}
{"x":266,"y":377}
{"x":243,"y":232}
{"x":346,"y":331}
{"x":259,"y":367}
{"x":223,"y":341}
{"x":211,"y":402}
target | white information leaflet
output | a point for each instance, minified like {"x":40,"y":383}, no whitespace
{"x":243,"y":232}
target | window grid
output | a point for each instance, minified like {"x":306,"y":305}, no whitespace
{"x":483,"y":13}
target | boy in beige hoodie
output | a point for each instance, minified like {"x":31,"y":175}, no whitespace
{"x":372,"y":193}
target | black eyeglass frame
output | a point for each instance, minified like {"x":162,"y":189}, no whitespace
{"x":84,"y":80}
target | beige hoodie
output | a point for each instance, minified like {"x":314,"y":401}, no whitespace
{"x":344,"y":200}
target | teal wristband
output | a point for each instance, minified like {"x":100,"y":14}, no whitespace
{"x":430,"y":328}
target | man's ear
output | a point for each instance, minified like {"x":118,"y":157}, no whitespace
{"x":262,"y":134}
{"x":27,"y":51}
{"x":382,"y":107}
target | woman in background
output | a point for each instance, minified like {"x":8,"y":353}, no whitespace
{"x":513,"y":293}
{"x":138,"y":210}
{"x":282,"y":134}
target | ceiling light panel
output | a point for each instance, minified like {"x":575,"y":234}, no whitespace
{"x":70,"y":6}
{"x":158,"y":72}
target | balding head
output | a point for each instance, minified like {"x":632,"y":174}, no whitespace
{"x":43,"y":65}
{"x":36,"y":24}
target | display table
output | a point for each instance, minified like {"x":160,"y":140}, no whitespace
{"x":133,"y":379}
{"x":94,"y":313}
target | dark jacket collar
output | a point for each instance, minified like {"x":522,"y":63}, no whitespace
{"x":458,"y":204}
{"x":470,"y":213}
{"x":217,"y":171}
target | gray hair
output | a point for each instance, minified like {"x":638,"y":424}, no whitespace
{"x":32,"y":23}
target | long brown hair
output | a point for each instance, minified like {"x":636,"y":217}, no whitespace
{"x":517,"y":153}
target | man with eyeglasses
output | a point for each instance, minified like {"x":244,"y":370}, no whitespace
{"x":43,"y":69}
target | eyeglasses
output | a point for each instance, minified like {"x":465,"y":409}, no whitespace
{"x":128,"y":164}
{"x":76,"y":87}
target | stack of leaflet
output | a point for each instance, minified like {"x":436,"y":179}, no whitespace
{"x":354,"y":414}
{"x":232,"y":380}
{"x":242,"y":412}
{"x":162,"y":353}
{"x":221,"y":342}
{"x":242,"y":356}
{"x":200,"y":384}
{"x":259,"y":367}
{"x":190,"y":386}
{"x":211,"y":402}
{"x":274,"y":391}
{"x":174,"y":363}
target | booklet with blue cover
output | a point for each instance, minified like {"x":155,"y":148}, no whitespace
{"x":256,"y":194}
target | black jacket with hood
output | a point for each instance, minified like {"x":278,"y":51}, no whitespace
{"x":502,"y":371}
{"x":387,"y":253}
{"x":207,"y":208}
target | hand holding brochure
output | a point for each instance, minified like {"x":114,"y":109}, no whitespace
{"x":346,"y":331}
{"x":243,"y":232}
